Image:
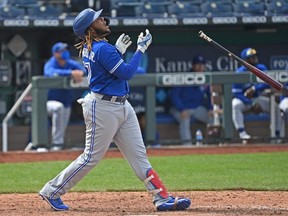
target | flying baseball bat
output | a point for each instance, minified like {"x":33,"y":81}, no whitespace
{"x":265,"y":77}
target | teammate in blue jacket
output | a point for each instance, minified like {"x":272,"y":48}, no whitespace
{"x":191,"y":101}
{"x":107,"y":113}
{"x":60,"y":100}
{"x":249,"y":96}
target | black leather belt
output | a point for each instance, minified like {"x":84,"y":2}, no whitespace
{"x":115,"y":98}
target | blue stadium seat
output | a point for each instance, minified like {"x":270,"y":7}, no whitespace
{"x":158,"y":2}
{"x":12,"y":12}
{"x":3,"y":3}
{"x":278,"y":7}
{"x":23,"y":3}
{"x":44,"y":11}
{"x":150,"y":10}
{"x":249,"y":8}
{"x":122,"y":8}
{"x":216,"y":8}
{"x":184,"y":9}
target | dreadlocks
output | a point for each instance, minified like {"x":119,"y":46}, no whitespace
{"x":87,"y":40}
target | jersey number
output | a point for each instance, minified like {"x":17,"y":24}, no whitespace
{"x":87,"y":66}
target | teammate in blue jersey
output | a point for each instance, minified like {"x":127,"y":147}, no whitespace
{"x":107,"y":113}
{"x":192,"y":101}
{"x":60,"y":100}
{"x":283,"y":105}
{"x":250,"y":96}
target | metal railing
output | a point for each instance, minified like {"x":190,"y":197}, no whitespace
{"x":10,"y":115}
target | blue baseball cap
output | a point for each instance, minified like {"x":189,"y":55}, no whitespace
{"x":198,"y":59}
{"x":83,"y":20}
{"x":59,"y":46}
{"x":248,"y":52}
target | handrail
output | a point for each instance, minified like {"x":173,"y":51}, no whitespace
{"x":10,"y":114}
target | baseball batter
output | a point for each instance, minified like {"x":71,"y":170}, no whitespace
{"x":107,"y":113}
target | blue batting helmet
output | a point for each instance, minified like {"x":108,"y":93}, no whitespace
{"x":83,"y":20}
{"x":248,"y":52}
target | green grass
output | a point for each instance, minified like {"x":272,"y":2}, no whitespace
{"x":262,"y":171}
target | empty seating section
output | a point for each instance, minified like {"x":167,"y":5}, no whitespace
{"x":143,"y":8}
{"x":188,"y":8}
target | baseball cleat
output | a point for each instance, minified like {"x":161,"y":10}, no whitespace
{"x":244,"y":136}
{"x":175,"y":204}
{"x":56,"y":204}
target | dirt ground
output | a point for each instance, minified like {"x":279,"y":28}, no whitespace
{"x":236,"y":202}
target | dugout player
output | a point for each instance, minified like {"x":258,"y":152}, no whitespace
{"x":107,"y":113}
{"x":192,"y":101}
{"x":60,"y":100}
{"x":249,"y":97}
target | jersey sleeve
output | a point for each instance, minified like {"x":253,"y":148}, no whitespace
{"x":175,"y":97}
{"x":51,"y":70}
{"x":77,"y":66}
{"x":113,"y":62}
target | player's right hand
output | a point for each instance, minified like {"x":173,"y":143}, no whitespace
{"x":122,"y":43}
{"x":77,"y":75}
{"x":249,"y":93}
{"x":144,"y":41}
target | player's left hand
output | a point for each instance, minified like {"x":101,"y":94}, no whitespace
{"x":144,"y":41}
{"x":122,"y":43}
{"x":250,"y":92}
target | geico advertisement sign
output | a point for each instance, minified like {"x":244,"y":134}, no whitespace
{"x":281,"y":76}
{"x":182,"y":79}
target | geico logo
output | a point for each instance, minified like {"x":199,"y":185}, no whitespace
{"x":187,"y":79}
{"x":16,"y":22}
{"x":282,"y":76}
{"x":279,"y":76}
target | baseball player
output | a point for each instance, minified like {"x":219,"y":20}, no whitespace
{"x":107,"y":113}
{"x":248,"y":97}
{"x":191,"y":101}
{"x":60,"y":100}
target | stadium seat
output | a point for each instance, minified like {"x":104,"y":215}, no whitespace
{"x":184,"y":9}
{"x":3,"y":3}
{"x":278,"y":7}
{"x":249,"y":8}
{"x":23,"y":3}
{"x":158,"y":2}
{"x":151,"y":10}
{"x":44,"y":11}
{"x":79,"y":5}
{"x":12,"y":12}
{"x":216,"y":8}
{"x":121,"y":8}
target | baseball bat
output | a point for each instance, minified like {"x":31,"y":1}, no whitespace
{"x":265,"y":77}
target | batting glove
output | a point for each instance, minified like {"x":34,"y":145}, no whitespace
{"x":122,"y":43}
{"x":144,"y":41}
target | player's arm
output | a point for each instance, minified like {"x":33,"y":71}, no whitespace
{"x":51,"y":71}
{"x":260,"y":87}
{"x":111,"y":60}
{"x":176,"y":99}
{"x":114,"y":63}
{"x":237,"y":91}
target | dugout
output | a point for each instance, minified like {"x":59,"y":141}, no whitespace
{"x":26,"y":44}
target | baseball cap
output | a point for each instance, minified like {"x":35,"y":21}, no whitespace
{"x":198,"y":59}
{"x":83,"y":20}
{"x":248,"y":52}
{"x":59,"y":46}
